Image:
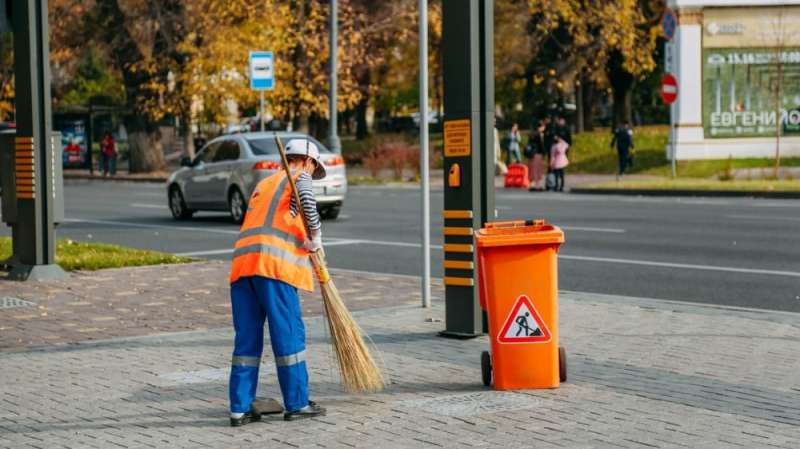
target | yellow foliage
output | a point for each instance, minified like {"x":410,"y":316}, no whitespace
{"x":297,"y":34}
{"x":598,"y":28}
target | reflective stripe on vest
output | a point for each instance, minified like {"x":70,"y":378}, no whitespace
{"x":273,"y":251}
{"x":266,"y":228}
{"x":271,"y":240}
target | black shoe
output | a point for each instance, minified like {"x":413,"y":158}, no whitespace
{"x":247,"y":418}
{"x":309,"y":411}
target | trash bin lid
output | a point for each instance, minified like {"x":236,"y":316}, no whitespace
{"x":513,"y":233}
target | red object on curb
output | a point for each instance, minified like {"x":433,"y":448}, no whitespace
{"x":669,"y":88}
{"x":517,"y":176}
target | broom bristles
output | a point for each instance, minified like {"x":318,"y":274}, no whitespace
{"x":359,"y":372}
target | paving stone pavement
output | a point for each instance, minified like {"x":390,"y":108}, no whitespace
{"x":137,"y":301}
{"x":642,"y":373}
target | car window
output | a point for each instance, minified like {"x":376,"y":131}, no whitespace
{"x":263,"y":147}
{"x":208,"y":153}
{"x":228,"y":151}
{"x":266,"y":145}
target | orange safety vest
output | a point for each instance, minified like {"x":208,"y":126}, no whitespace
{"x":271,"y":240}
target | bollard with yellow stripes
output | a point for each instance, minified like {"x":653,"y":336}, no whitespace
{"x":469,"y":154}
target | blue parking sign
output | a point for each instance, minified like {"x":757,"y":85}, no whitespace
{"x":262,"y":70}
{"x":669,"y":24}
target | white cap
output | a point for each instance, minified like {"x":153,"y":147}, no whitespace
{"x":305,"y":147}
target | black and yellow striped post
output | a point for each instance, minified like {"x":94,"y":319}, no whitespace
{"x":467,"y":51}
{"x":37,"y":164}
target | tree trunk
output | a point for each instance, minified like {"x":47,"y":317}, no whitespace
{"x":588,"y":104}
{"x":188,"y":141}
{"x":622,"y":86}
{"x":146,"y":152}
{"x":622,"y":105}
{"x":362,"y":131}
{"x":579,"y":115}
{"x":188,"y":134}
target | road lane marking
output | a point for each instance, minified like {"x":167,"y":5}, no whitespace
{"x":151,"y":226}
{"x":605,"y":296}
{"x":346,"y":242}
{"x":762,"y":217}
{"x":149,"y":206}
{"x":681,"y":265}
{"x":341,"y":242}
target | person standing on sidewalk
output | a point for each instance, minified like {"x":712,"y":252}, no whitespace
{"x":558,"y":162}
{"x":623,"y":139}
{"x":108,"y":153}
{"x":536,"y":153}
{"x":514,"y":139}
{"x":270,"y":263}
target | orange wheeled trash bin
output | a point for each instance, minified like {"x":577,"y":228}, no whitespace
{"x":517,"y":265}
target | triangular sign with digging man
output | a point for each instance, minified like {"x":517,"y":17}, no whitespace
{"x":524,"y":324}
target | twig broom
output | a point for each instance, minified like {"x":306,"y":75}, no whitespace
{"x":359,"y":372}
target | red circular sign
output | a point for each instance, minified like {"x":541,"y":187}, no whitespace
{"x":669,"y":89}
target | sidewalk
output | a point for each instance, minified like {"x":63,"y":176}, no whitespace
{"x":642,"y":373}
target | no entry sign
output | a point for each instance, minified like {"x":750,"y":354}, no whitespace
{"x":669,"y":89}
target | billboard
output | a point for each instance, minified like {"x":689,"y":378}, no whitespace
{"x":740,"y":87}
{"x":744,"y":51}
{"x":74,"y":141}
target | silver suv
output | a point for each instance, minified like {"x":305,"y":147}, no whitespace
{"x":225,"y":171}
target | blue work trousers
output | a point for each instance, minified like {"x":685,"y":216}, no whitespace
{"x":254,"y":299}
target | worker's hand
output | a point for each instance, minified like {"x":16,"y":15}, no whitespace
{"x":315,"y":244}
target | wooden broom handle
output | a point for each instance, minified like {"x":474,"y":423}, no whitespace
{"x":295,"y":193}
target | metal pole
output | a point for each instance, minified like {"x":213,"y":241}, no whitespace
{"x":261,"y":109}
{"x":673,"y":137}
{"x":423,"y":153}
{"x":333,"y":136}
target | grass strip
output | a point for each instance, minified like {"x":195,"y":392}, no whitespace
{"x":73,"y":255}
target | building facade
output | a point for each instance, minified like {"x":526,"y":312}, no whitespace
{"x":737,"y":63}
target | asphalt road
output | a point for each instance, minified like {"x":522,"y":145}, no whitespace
{"x":739,"y":252}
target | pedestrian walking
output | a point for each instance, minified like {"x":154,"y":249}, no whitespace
{"x":514,"y":139}
{"x":108,"y":153}
{"x":536,"y":153}
{"x":623,"y":140}
{"x":558,"y":162}
{"x":270,"y":263}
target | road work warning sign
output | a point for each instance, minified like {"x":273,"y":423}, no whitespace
{"x":524,"y":325}
{"x":456,"y":138}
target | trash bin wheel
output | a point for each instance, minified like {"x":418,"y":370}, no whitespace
{"x":562,"y":364}
{"x":486,"y":368}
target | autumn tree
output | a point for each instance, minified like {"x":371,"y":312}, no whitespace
{"x":6,"y":76}
{"x":297,"y":34}
{"x":386,"y":28}
{"x":596,"y":43}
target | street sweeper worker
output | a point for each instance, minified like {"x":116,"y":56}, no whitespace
{"x":270,"y":263}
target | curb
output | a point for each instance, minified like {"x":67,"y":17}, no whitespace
{"x":684,"y":192}
{"x":117,"y":178}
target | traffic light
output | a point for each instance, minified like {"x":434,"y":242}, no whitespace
{"x":5,"y":16}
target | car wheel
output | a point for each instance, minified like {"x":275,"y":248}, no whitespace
{"x":331,"y":213}
{"x":237,"y":206}
{"x":178,"y":206}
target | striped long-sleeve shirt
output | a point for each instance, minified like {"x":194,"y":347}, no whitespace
{"x":306,"y":192}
